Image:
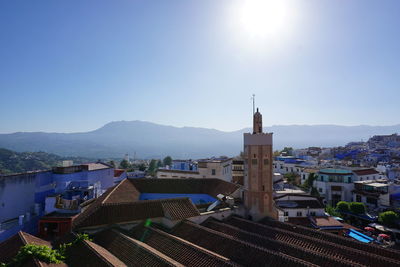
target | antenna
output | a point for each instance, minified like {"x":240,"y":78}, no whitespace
{"x":253,"y":97}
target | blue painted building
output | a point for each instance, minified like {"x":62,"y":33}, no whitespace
{"x":23,"y":196}
{"x":184,"y":165}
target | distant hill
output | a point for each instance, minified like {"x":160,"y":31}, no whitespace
{"x":150,"y":140}
{"x":14,"y":162}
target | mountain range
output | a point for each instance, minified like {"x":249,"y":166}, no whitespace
{"x":150,"y":140}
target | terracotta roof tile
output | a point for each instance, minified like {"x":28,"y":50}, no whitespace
{"x":325,"y":221}
{"x":282,"y":246}
{"x":112,"y":213}
{"x":132,"y":252}
{"x":179,"y":249}
{"x":120,"y":203}
{"x":234,"y":248}
{"x":93,"y":255}
{"x":366,"y":172}
{"x":209,"y":186}
{"x":10,"y":247}
{"x":361,"y":253}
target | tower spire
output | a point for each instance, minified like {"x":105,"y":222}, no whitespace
{"x":257,"y":122}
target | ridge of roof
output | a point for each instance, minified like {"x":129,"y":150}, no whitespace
{"x":133,"y":249}
{"x":150,"y":249}
{"x":212,"y":253}
{"x":103,"y":253}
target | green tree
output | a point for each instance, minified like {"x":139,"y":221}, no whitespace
{"x":388,"y":218}
{"x":142,"y":167}
{"x":290,"y":177}
{"x":112,"y":163}
{"x":357,"y":207}
{"x":276,"y":153}
{"x":152,"y":167}
{"x":159,"y":164}
{"x":331,"y":211}
{"x":343,"y":206}
{"x":167,"y":161}
{"x":314,"y":192}
{"x":124,"y":164}
{"x":309,"y":182}
{"x":287,"y":151}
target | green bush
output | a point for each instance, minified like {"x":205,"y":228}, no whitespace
{"x":343,"y":206}
{"x":40,"y":252}
{"x":357,"y":207}
{"x":43,"y":253}
{"x":331,"y":211}
{"x":388,"y":218}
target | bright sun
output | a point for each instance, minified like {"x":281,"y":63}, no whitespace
{"x":262,"y":18}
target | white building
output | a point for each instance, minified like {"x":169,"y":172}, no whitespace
{"x":299,"y":206}
{"x":373,"y":193}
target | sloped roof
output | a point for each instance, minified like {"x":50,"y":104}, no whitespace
{"x":366,"y":172}
{"x":209,"y":186}
{"x":179,"y":249}
{"x":131,"y":251}
{"x":113,"y":213}
{"x":300,"y":204}
{"x":94,"y":255}
{"x":121,"y":204}
{"x":325,"y":221}
{"x":10,"y":247}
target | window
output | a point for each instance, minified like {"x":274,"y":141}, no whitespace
{"x":266,"y":161}
{"x":263,"y":188}
{"x":299,"y":214}
{"x":358,"y":198}
{"x":372,"y":201}
{"x":254,"y":161}
{"x":213,"y":172}
{"x":286,"y":213}
{"x":312,"y":213}
{"x":320,"y":190}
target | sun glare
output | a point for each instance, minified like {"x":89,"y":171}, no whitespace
{"x":262,"y":18}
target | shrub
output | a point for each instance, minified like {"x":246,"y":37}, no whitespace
{"x":357,"y":207}
{"x":343,"y":206}
{"x":331,"y":211}
{"x":388,"y":217}
{"x":40,"y":252}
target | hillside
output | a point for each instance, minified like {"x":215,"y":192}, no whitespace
{"x":151,"y":140}
{"x":13,"y":162}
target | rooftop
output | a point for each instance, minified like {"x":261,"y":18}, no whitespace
{"x":233,"y":241}
{"x":366,"y":172}
{"x":122,"y":204}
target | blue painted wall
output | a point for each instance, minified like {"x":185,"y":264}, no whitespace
{"x":20,"y":192}
{"x":195,"y":198}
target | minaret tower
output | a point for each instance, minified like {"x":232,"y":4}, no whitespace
{"x":258,"y":172}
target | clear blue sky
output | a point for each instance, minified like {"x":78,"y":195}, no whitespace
{"x":68,"y":66}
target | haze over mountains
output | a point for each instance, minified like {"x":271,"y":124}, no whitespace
{"x":150,"y":140}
